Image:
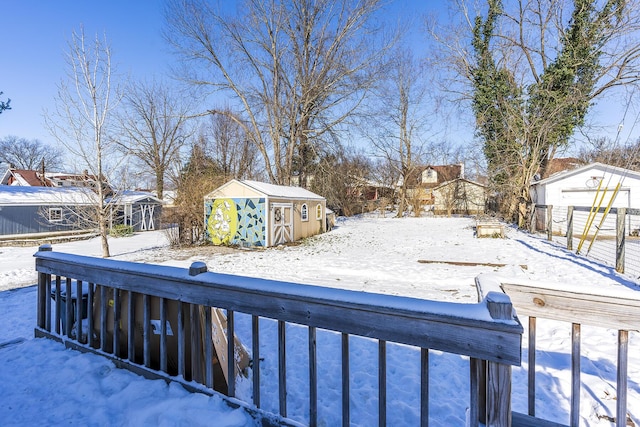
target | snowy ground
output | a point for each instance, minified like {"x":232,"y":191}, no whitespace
{"x":42,"y":383}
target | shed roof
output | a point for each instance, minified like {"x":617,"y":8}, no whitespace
{"x":601,"y":167}
{"x":129,"y":196}
{"x":30,"y":196}
{"x":276,"y":191}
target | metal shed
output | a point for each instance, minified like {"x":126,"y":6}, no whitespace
{"x":252,"y":213}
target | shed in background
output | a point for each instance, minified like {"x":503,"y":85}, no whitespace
{"x":36,"y":210}
{"x":585,"y":186}
{"x":252,"y":213}
{"x":139,"y":209}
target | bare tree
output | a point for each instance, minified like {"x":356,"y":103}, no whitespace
{"x":296,"y":69}
{"x":199,"y":176}
{"x":153,"y":128}
{"x":84,"y":106}
{"x":343,"y":177}
{"x":28,"y":154}
{"x":230,"y":147}
{"x":531,"y":70}
{"x":401,"y":123}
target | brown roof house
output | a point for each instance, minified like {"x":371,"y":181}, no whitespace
{"x":443,"y":189}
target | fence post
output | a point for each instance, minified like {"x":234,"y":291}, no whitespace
{"x":43,"y":278}
{"x":549,"y":222}
{"x":533,"y":223}
{"x":570,"y":228}
{"x":620,"y":239}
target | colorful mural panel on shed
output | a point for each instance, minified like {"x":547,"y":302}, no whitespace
{"x":238,"y":221}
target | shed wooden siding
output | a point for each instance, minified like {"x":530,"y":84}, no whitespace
{"x":239,"y":213}
{"x":236,"y":221}
{"x":138,"y":220}
{"x":460,"y":196}
{"x":311,"y":227}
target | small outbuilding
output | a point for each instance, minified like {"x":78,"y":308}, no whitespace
{"x":32,"y":210}
{"x":139,"y":209}
{"x":252,"y":213}
{"x":584,"y":186}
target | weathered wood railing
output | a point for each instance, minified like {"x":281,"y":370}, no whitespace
{"x":577,"y":308}
{"x":487,"y":332}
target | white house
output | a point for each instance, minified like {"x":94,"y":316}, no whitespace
{"x":586,"y":186}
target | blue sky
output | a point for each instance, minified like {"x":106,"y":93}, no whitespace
{"x":34,"y":40}
{"x":35,"y":35}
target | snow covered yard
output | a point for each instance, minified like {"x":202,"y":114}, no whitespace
{"x":41,"y":382}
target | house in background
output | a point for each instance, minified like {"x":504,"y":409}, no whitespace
{"x":34,"y":178}
{"x":585,"y":186}
{"x":443,"y":189}
{"x":252,"y":213}
{"x":32,"y":210}
{"x":460,"y":197}
{"x":28,"y":210}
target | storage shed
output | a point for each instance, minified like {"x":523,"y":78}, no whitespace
{"x":27,"y":210}
{"x":252,"y":213}
{"x":579,"y":187}
{"x":138,"y":209}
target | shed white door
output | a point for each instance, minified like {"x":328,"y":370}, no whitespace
{"x":281,"y":223}
{"x":147,"y":217}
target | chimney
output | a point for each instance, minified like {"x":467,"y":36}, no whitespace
{"x":461,"y":169}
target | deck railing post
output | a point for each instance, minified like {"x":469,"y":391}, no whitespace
{"x":43,"y":279}
{"x":497,"y":388}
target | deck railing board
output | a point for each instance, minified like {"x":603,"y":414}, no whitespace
{"x":621,"y":313}
{"x":346,"y":404}
{"x":424,"y":387}
{"x":255,"y":362}
{"x":313,"y":377}
{"x":382,"y":383}
{"x":473,"y":330}
{"x":282,"y":367}
{"x":621,"y":378}
{"x":575,"y":375}
{"x":308,"y":305}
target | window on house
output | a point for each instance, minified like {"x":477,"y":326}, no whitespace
{"x":319,"y":211}
{"x":304,"y":212}
{"x":55,"y":214}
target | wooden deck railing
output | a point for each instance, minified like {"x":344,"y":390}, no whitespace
{"x":121,"y":295}
{"x":578,"y":309}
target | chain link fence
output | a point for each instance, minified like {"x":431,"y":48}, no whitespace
{"x":611,"y":237}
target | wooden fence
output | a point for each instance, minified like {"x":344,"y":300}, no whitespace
{"x":121,"y":295}
{"x":591,"y":309}
{"x":623,"y":227}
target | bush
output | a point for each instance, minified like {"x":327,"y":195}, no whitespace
{"x":121,"y":230}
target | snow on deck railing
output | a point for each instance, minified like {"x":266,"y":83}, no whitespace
{"x":151,"y":319}
{"x":579,"y":305}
